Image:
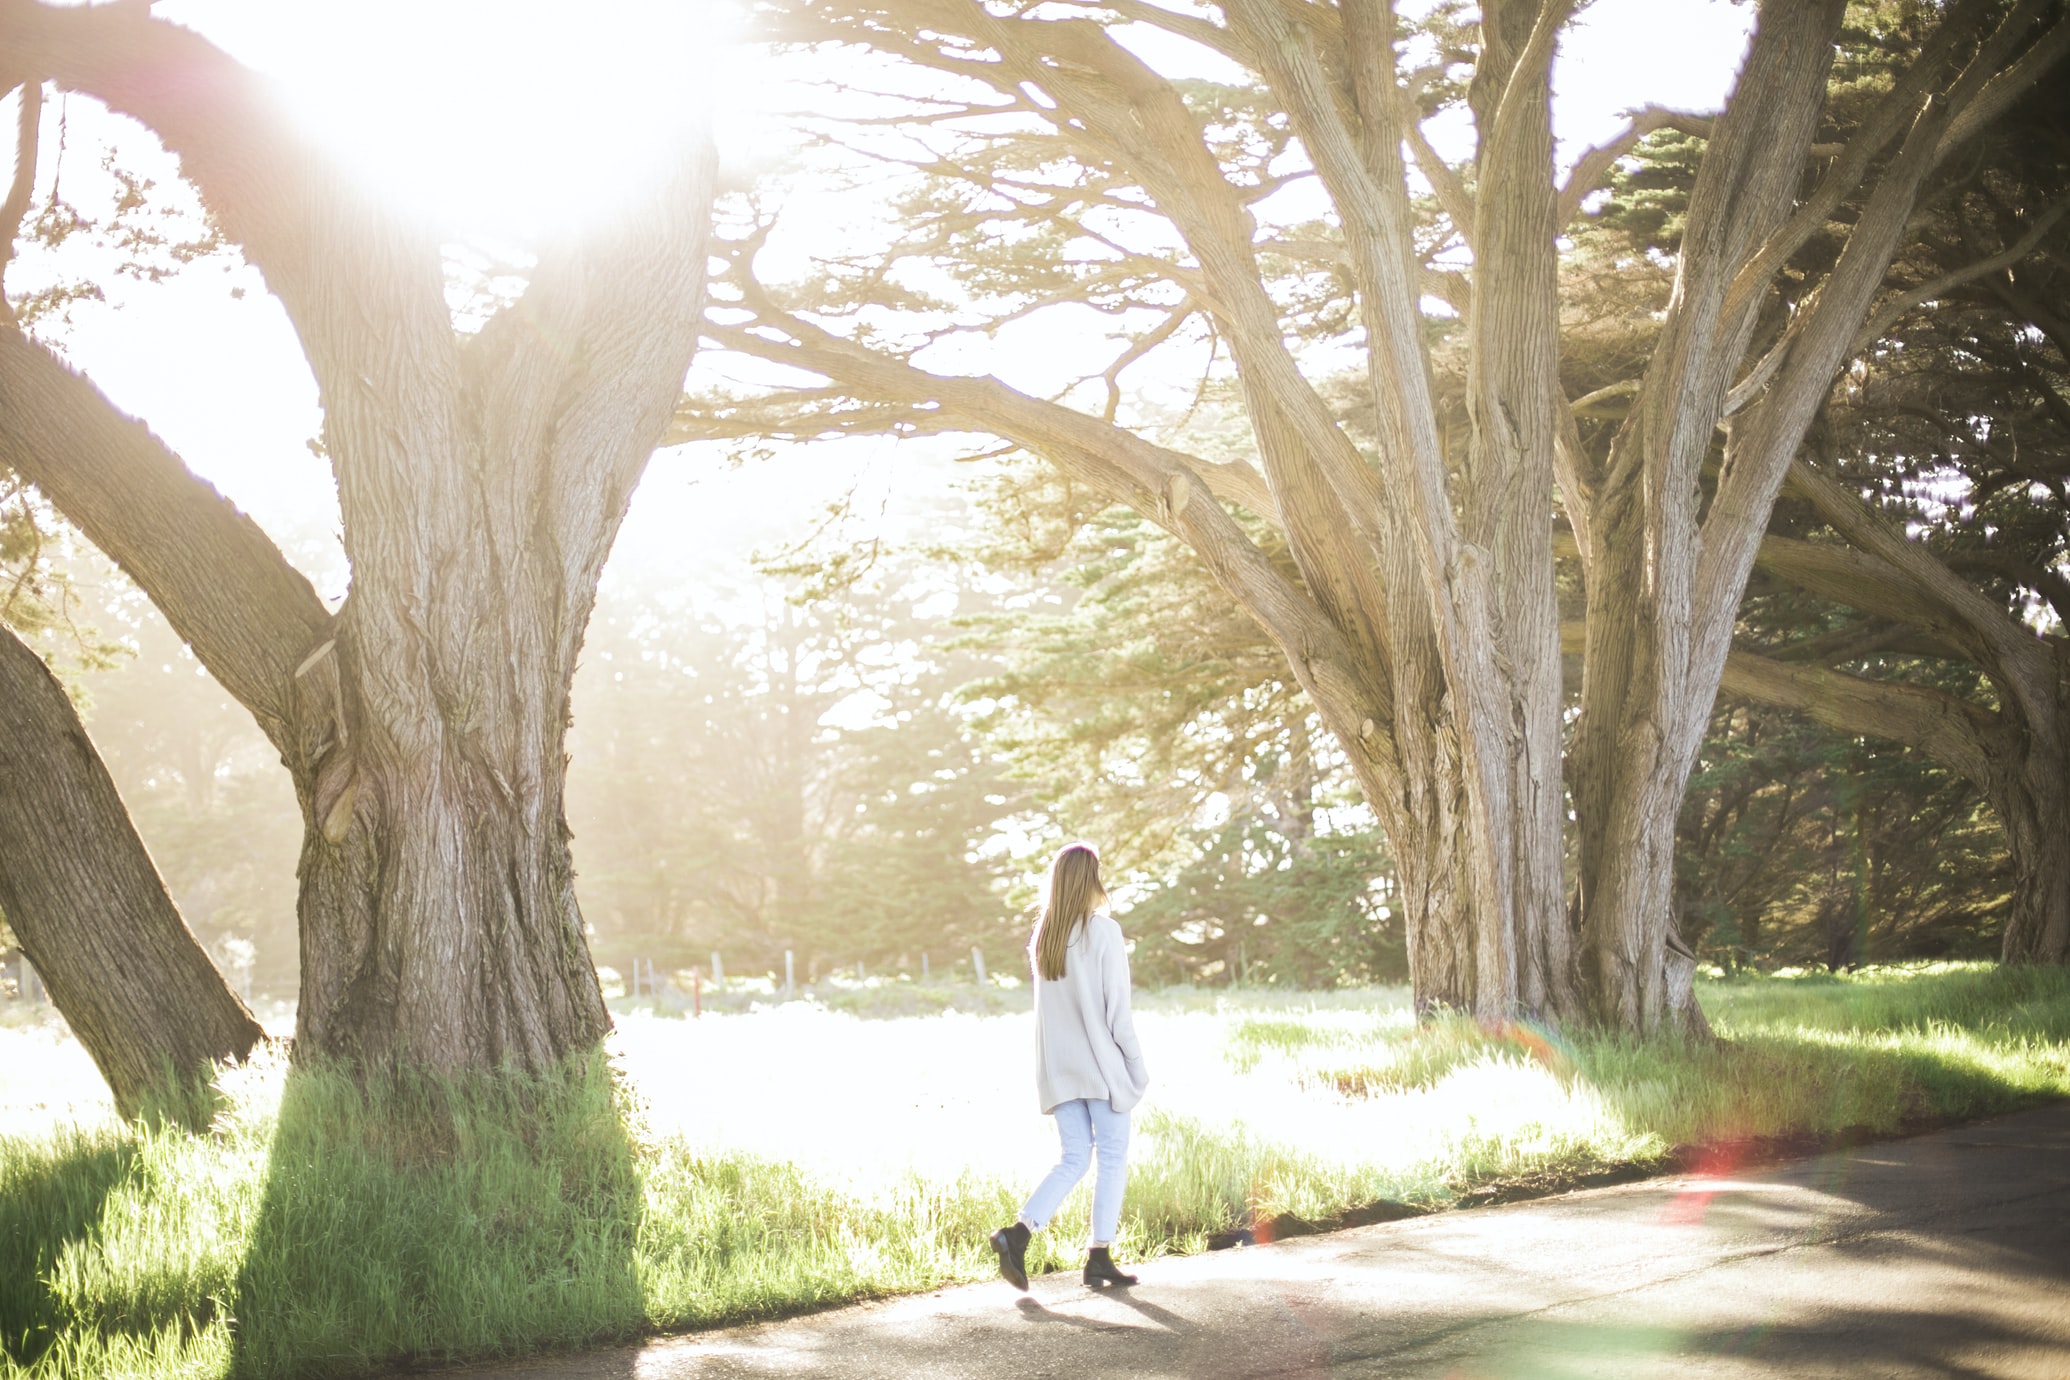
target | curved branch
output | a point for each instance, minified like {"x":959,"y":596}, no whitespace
{"x":1595,"y":163}
{"x":29,"y":125}
{"x":1952,"y":732}
{"x":1891,"y":311}
{"x":1893,"y":114}
{"x":1451,"y":189}
{"x":1998,"y":94}
{"x":2049,"y":584}
{"x":2016,"y":659}
{"x":222,"y":584}
{"x":1847,"y":576}
{"x":1157,"y":482}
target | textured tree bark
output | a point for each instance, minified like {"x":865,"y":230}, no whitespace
{"x":1640,"y":689}
{"x":90,"y":911}
{"x":481,"y":479}
{"x":2031,"y":804}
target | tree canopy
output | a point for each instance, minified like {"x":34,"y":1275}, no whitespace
{"x":1054,"y":166}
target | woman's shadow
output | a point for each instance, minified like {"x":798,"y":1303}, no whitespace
{"x":1033,"y":1310}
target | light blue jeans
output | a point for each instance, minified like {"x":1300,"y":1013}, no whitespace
{"x":1087,"y":1128}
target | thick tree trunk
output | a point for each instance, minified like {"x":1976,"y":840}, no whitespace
{"x":438,"y":912}
{"x":1513,"y":406}
{"x":1426,"y":837}
{"x":1665,"y":564}
{"x":439,"y":926}
{"x":2032,"y":800}
{"x":90,"y":911}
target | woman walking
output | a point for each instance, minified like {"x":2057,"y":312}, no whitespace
{"x":1089,"y":1068}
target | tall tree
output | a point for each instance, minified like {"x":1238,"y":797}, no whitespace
{"x":1154,"y":715}
{"x":481,"y":477}
{"x":1905,"y":586}
{"x":1420,"y":616}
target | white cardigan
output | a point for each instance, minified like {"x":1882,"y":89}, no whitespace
{"x":1085,"y":1040}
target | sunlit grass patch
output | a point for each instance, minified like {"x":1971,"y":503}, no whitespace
{"x":1395,"y":1060}
{"x":752,"y":1165}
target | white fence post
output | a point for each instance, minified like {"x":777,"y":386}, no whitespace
{"x":718,"y":969}
{"x":789,"y":974}
{"x":925,"y":976}
{"x":977,"y":961}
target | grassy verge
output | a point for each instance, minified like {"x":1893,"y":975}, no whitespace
{"x":323,"y":1229}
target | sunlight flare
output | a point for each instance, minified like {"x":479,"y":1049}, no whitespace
{"x":492,"y":120}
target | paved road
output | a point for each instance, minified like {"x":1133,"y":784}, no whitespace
{"x":1944,"y":1255}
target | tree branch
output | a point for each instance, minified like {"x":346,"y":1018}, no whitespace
{"x":1893,"y":114}
{"x":1998,"y":94}
{"x":2049,"y":584}
{"x":1893,"y":310}
{"x":1859,"y":581}
{"x":2017,"y":660}
{"x":89,"y":908}
{"x":290,"y":211}
{"x":1951,"y":731}
{"x":1762,"y":446}
{"x":28,"y":127}
{"x":1450,"y":187}
{"x":1595,"y":163}
{"x":1122,"y":467}
{"x":1141,"y":346}
{"x":250,"y":617}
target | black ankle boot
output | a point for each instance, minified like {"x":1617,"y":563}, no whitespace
{"x":1099,"y":1269}
{"x":1012,"y":1245}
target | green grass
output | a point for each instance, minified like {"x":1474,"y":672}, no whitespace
{"x":319,"y":1228}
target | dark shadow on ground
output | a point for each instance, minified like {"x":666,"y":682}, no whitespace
{"x":418,"y":1221}
{"x":1852,"y":1342}
{"x":50,"y":1197}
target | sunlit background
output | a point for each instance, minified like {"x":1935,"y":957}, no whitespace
{"x":729,"y":727}
{"x":499,"y":128}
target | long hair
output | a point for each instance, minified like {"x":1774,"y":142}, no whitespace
{"x":1074,"y":889}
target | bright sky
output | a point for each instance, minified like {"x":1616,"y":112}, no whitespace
{"x":500,"y":122}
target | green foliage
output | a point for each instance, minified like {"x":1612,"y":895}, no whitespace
{"x":1797,"y":845}
{"x":1648,"y":198}
{"x":1255,"y":906}
{"x":803,"y":780}
{"x":39,"y":600}
{"x":1153,"y":716}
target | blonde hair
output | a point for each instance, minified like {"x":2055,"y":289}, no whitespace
{"x":1074,"y":889}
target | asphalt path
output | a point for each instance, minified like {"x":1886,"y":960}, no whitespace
{"x":1943,"y":1255}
